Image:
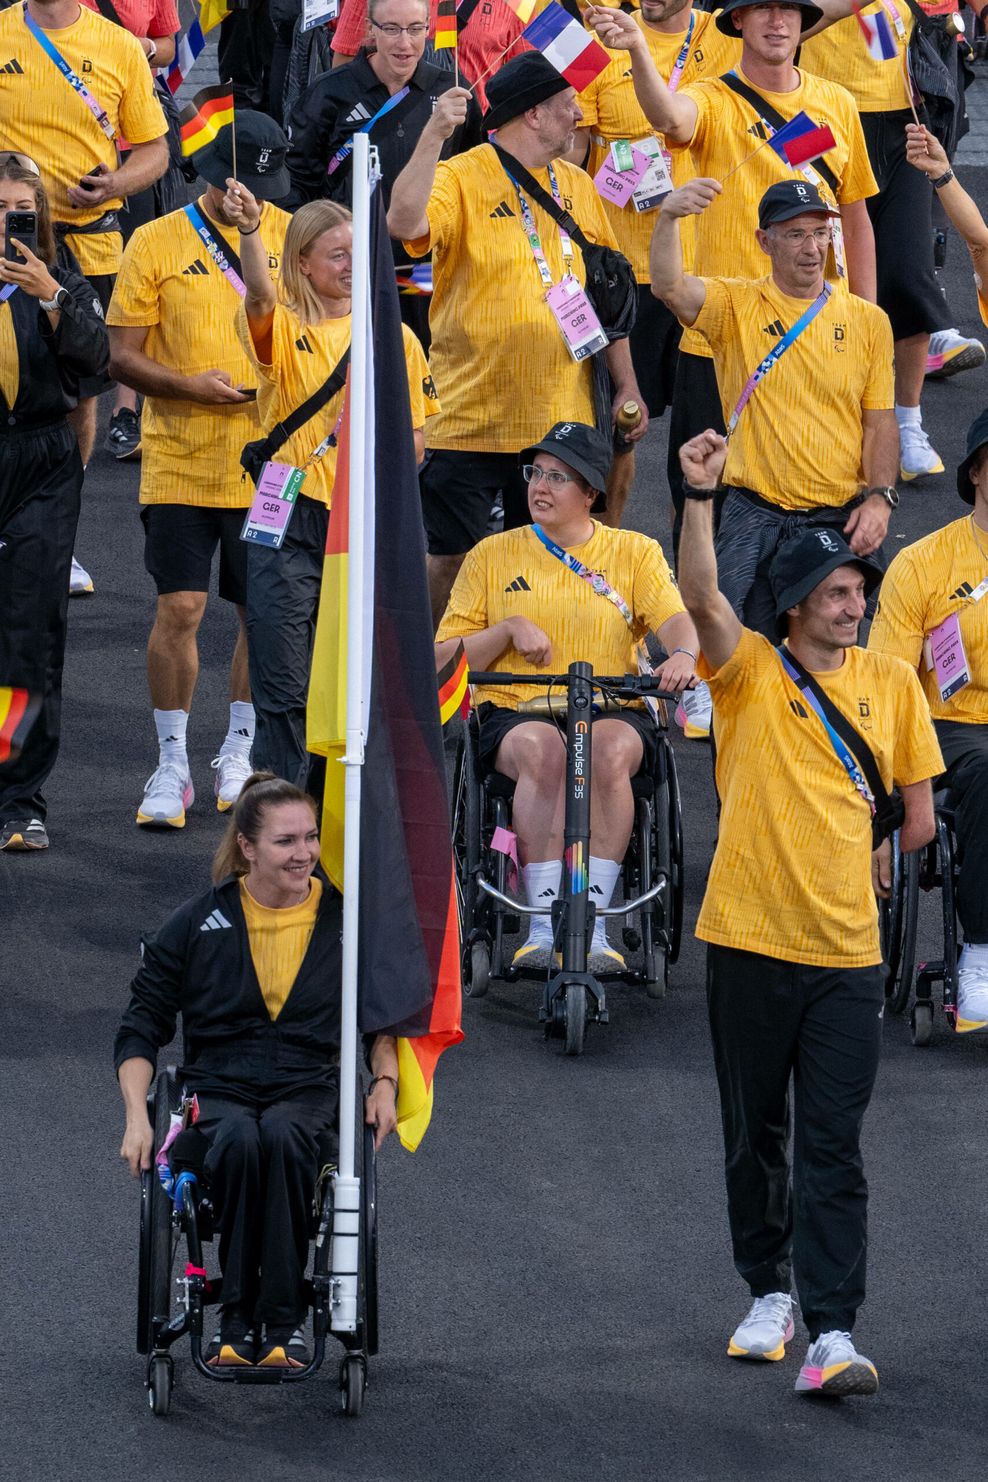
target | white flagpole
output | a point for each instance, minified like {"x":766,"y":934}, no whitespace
{"x":346,"y":1198}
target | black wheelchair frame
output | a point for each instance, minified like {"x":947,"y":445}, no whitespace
{"x":652,"y":870}
{"x":167,"y":1219}
{"x":931,"y":868}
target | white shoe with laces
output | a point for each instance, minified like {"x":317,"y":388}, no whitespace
{"x":916,"y":456}
{"x":695,"y":712}
{"x":232,"y":769}
{"x":972,"y":989}
{"x":80,"y":582}
{"x":167,"y":794}
{"x":834,"y":1367}
{"x":766,"y":1329}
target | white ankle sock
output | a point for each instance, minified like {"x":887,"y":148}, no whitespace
{"x":908,"y":416}
{"x":171,"y":726}
{"x":542,"y":887}
{"x":240,"y":735}
{"x":603,"y":878}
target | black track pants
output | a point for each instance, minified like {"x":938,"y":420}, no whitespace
{"x":965,"y":751}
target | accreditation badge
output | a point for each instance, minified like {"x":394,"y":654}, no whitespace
{"x":576,"y":317}
{"x":273,"y":505}
{"x":656,"y":183}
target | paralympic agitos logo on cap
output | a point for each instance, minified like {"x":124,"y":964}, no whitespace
{"x":827,"y":541}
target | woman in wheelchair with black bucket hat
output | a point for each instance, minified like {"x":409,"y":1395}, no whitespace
{"x":253,"y":966}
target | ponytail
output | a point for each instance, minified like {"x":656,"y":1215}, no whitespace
{"x":261,"y":791}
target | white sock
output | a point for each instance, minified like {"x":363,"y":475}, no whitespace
{"x":171,"y":726}
{"x":240,"y":736}
{"x":603,"y":878}
{"x":542,"y":881}
{"x":908,"y":416}
{"x":973,"y":954}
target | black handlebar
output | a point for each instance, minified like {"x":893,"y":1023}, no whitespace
{"x":631,"y":685}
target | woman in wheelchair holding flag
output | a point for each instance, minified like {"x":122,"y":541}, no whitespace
{"x":253,"y":966}
{"x":563,"y":589}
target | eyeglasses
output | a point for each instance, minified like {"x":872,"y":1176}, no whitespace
{"x":23,"y":160}
{"x":821,"y":235}
{"x":531,"y":472}
{"x":414,"y":33}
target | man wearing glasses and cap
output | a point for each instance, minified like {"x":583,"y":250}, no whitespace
{"x":790,"y":351}
{"x":795,"y":979}
{"x":173,"y":338}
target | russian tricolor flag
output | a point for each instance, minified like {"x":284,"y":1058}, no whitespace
{"x":878,"y":36}
{"x":801,"y":140}
{"x":562,"y":41}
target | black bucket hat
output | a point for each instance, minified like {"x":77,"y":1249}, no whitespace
{"x":802,"y":563}
{"x":262,"y":149}
{"x":811,"y":14}
{"x":522,"y":83}
{"x":977,"y":436}
{"x":582,"y":448}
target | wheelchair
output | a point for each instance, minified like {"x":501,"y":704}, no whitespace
{"x":934,"y":867}
{"x":651,"y":876}
{"x":172,"y":1297}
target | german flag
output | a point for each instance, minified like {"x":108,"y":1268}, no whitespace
{"x":18,"y":710}
{"x":210,"y":110}
{"x":452,"y":683}
{"x":445,"y":34}
{"x":408,"y":935}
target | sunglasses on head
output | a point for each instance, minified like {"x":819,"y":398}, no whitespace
{"x":23,"y":160}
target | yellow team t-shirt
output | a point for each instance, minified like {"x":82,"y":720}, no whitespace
{"x":513,"y":575}
{"x":10,"y":361}
{"x":190,"y":453}
{"x":926,"y":583}
{"x":611,"y":111}
{"x":727,"y":131}
{"x":798,"y":440}
{"x":279,"y":939}
{"x":42,"y":116}
{"x":497,"y":353}
{"x":302,"y":358}
{"x":791,"y":874}
{"x":840,"y":54}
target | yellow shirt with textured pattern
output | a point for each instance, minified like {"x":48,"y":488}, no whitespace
{"x":10,"y":365}
{"x":611,"y":111}
{"x":926,"y":583}
{"x":279,"y":939}
{"x":503,"y":370}
{"x":841,"y":54}
{"x":513,"y":575}
{"x":727,"y":132}
{"x":839,"y":367}
{"x":791,"y":874}
{"x":42,"y":116}
{"x":168,"y":283}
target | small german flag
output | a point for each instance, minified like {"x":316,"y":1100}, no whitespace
{"x":18,"y":709}
{"x":210,"y":110}
{"x":445,"y":24}
{"x":452,"y":682}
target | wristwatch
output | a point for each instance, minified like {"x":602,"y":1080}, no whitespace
{"x":888,"y":494}
{"x":698,"y":495}
{"x":61,"y":297}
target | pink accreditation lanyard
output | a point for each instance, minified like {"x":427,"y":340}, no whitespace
{"x":532,"y":233}
{"x":891,"y":11}
{"x":676,"y":75}
{"x":72,"y":78}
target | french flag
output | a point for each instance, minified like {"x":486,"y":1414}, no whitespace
{"x":562,"y":41}
{"x":801,"y":140}
{"x":878,"y":36}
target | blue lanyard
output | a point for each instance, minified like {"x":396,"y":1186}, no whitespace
{"x":72,"y":78}
{"x":598,"y":583}
{"x":532,"y":233}
{"x":345,"y":150}
{"x":842,"y":753}
{"x":684,"y":51}
{"x":216,"y":252}
{"x":7,"y":291}
{"x":776,"y":353}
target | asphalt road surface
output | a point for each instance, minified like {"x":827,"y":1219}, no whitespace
{"x":557,"y":1286}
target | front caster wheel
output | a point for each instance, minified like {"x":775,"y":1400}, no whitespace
{"x":576,"y":1018}
{"x":353,"y":1383}
{"x":161,"y":1376}
{"x":476,"y":982}
{"x":922,"y":1024}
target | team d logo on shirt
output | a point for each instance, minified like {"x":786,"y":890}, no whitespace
{"x":87,"y":65}
{"x":840,"y":335}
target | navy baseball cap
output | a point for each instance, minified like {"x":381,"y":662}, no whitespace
{"x":789,"y":198}
{"x":582,"y":448}
{"x":977,"y":436}
{"x":802,"y":563}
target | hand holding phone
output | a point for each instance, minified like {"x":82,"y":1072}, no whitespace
{"x":20,"y":226}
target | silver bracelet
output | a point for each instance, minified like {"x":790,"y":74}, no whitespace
{"x":688,"y":651}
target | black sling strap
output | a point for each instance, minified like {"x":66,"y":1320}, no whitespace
{"x":548,"y":203}
{"x":771,"y":115}
{"x":282,"y":431}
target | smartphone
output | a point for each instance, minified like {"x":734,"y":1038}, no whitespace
{"x":24,"y":226}
{"x":86,"y":182}
{"x":249,"y":391}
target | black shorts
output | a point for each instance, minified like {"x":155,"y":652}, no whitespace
{"x":654,"y":345}
{"x":496,"y":721}
{"x":102,"y":286}
{"x":458,"y":490}
{"x":179,"y":542}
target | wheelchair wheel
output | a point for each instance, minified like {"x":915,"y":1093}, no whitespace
{"x":353,"y":1383}
{"x":161,"y":1377}
{"x":477,"y":978}
{"x":155,"y":1258}
{"x":466,"y":853}
{"x":576,"y":1019}
{"x":677,"y":886}
{"x":653,"y":861}
{"x":899,"y":919}
{"x":368,"y":1243}
{"x":922,"y":1024}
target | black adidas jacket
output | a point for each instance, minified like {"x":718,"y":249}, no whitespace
{"x":50,"y":361}
{"x":199,"y":965}
{"x":337,"y":104}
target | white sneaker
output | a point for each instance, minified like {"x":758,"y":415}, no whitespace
{"x":232,"y":769}
{"x":951,"y":352}
{"x":972,"y":990}
{"x":916,"y":457}
{"x":80,"y":582}
{"x":694,"y":712}
{"x":766,"y":1330}
{"x":167,"y":794}
{"x":834,"y":1367}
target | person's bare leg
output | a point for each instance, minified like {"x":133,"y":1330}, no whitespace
{"x":916,"y":455}
{"x":82,"y":420}
{"x":910,"y":369}
{"x":239,"y":676}
{"x":173,"y":653}
{"x":442,"y":572}
{"x":125,"y":400}
{"x":533,"y":754}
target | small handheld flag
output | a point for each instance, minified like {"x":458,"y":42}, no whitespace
{"x":18,"y":709}
{"x":877,"y":34}
{"x":523,"y":9}
{"x":445,"y":33}
{"x":211,"y":12}
{"x":201,"y":120}
{"x":570,"y":49}
{"x":800,"y":146}
{"x":452,"y":683}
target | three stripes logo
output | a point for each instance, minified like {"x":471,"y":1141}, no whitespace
{"x":797,"y":709}
{"x":215,"y":921}
{"x":303,"y":343}
{"x":357,"y":115}
{"x":196,"y":269}
{"x":759,"y":130}
{"x":13,"y":66}
{"x":518,"y":585}
{"x":776,"y":328}
{"x":964,"y":590}
{"x":501,"y":209}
